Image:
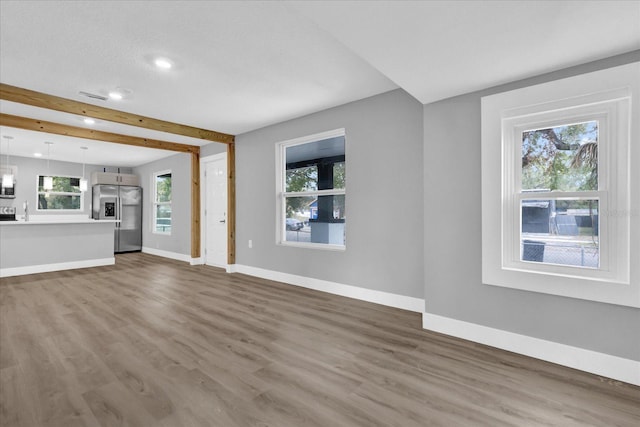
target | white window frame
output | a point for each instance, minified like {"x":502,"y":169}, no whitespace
{"x":155,"y":203}
{"x":605,"y":96}
{"x":58,"y":193}
{"x":282,"y":194}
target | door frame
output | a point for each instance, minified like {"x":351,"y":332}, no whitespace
{"x":203,"y":203}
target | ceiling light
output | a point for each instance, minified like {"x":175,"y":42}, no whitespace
{"x":120,"y":93}
{"x":7,"y":178}
{"x":47,"y":181}
{"x":37,"y":154}
{"x":89,"y":121}
{"x":83,"y":182}
{"x":163,"y":63}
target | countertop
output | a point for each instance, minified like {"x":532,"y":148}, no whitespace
{"x":58,"y":220}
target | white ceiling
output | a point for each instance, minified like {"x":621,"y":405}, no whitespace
{"x":243,"y":65}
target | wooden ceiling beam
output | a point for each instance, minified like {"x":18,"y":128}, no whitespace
{"x":78,"y":132}
{"x":51,"y":102}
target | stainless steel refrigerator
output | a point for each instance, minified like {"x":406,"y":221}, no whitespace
{"x":124,"y":203}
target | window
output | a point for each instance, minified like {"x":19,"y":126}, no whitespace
{"x":65,"y":195}
{"x":556,"y":187}
{"x":162,"y":202}
{"x":311,"y":191}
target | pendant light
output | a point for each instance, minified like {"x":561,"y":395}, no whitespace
{"x":7,"y":177}
{"x":83,"y":181}
{"x":47,"y":181}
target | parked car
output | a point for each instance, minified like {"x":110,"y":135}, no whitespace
{"x":293,"y":224}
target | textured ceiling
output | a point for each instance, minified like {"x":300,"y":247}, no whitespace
{"x":240,"y":66}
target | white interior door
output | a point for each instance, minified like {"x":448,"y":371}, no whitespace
{"x":216,"y":211}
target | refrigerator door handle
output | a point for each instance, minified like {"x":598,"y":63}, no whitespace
{"x":119,"y":210}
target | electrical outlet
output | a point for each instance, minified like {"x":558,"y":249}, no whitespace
{"x":250,"y":244}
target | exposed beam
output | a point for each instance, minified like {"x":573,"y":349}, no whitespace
{"x":195,"y":205}
{"x":51,"y":102}
{"x":79,"y":132}
{"x":231,"y":204}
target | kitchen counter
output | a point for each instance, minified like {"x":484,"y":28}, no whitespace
{"x":55,"y":242}
{"x":44,"y":219}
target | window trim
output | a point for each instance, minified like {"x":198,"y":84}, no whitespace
{"x":57,"y":193}
{"x":282,"y":194}
{"x":155,"y":203}
{"x":608,"y":92}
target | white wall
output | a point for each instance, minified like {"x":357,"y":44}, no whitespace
{"x":384,"y":247}
{"x":213,"y":148}
{"x":452,"y":259}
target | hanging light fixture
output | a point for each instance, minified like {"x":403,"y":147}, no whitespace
{"x":83,"y":181}
{"x":47,"y":181}
{"x":7,"y":177}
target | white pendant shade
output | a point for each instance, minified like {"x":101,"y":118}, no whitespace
{"x":7,"y":180}
{"x":47,"y":183}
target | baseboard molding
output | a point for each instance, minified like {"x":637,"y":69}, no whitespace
{"x":45,"y":268}
{"x":369,"y":295}
{"x":167,"y":254}
{"x":606,"y":365}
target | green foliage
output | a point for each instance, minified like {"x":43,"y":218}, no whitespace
{"x":306,"y":179}
{"x":61,"y":184}
{"x":549,"y":158}
{"x":56,"y":199}
{"x":58,"y":202}
{"x":163,"y":188}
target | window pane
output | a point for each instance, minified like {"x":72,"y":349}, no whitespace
{"x":61,"y":184}
{"x":299,"y":210}
{"x":163,"y":218}
{"x":562,"y":158}
{"x":563,"y":232}
{"x":338,"y":175}
{"x":163,"y":188}
{"x":302,"y":179}
{"x":55,"y":201}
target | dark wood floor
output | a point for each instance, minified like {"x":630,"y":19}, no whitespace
{"x":155,"y":342}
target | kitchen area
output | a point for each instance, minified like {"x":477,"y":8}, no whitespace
{"x":70,"y":225}
{"x":58,"y":215}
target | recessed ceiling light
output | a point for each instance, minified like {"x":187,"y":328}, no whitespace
{"x":37,"y":154}
{"x":120,"y":93}
{"x":117,"y":96}
{"x":163,"y":63}
{"x":89,"y":121}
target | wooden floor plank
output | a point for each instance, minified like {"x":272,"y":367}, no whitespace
{"x":156,"y":342}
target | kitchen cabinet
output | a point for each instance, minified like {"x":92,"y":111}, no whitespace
{"x":114,"y":178}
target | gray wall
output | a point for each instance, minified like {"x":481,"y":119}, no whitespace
{"x":452,"y":236}
{"x":180,"y":239}
{"x":384,"y":197}
{"x":26,"y":182}
{"x":213,"y":148}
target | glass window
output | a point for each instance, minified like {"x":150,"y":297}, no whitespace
{"x":558,"y":184}
{"x":162,"y":202}
{"x":560,"y":231}
{"x":64,"y":196}
{"x":312,"y":191}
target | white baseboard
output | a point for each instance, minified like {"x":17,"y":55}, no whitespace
{"x":232,"y":268}
{"x":45,"y":268}
{"x":196,"y":261}
{"x":167,"y":254}
{"x":606,"y":365}
{"x":378,"y":297}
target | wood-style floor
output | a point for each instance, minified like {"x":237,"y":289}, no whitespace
{"x":155,"y":342}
